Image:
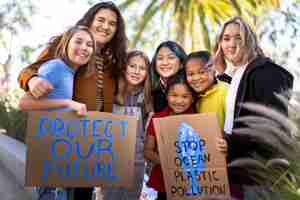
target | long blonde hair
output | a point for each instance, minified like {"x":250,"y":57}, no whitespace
{"x":123,"y":91}
{"x":249,"y":47}
{"x":62,"y":47}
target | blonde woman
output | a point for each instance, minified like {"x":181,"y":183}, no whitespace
{"x":255,"y":78}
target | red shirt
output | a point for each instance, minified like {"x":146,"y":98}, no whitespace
{"x":156,"y":180}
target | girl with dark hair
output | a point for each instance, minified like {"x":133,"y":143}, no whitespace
{"x":211,"y":93}
{"x":179,"y":101}
{"x":167,"y":61}
{"x":106,"y":23}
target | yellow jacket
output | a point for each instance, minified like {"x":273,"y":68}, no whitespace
{"x":214,"y":100}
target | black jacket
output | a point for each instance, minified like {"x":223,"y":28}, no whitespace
{"x":260,"y":81}
{"x":224,"y":77}
{"x":159,"y":98}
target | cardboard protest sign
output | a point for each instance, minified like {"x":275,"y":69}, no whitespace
{"x":67,"y":151}
{"x":192,"y":166}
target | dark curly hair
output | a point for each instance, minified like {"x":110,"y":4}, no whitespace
{"x":118,"y":44}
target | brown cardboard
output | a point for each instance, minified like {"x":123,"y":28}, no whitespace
{"x":83,"y":173}
{"x":213,"y":179}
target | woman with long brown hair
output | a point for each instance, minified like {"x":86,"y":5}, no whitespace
{"x":107,"y":26}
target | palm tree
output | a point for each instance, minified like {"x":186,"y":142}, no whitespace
{"x":203,"y":15}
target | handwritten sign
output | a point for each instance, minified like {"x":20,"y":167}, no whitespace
{"x":192,"y":166}
{"x":67,"y":151}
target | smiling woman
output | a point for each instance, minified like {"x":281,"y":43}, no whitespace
{"x":256,"y":79}
{"x":76,"y":48}
{"x":80,"y":47}
{"x":167,"y":60}
{"x":104,"y":26}
{"x":106,"y":23}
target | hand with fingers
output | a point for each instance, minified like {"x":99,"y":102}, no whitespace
{"x":79,"y":108}
{"x":39,"y":87}
{"x":222,"y":145}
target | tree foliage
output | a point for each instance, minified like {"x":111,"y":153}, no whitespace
{"x":14,"y":18}
{"x":11,"y":118}
{"x":279,"y":33}
{"x":195,"y":19}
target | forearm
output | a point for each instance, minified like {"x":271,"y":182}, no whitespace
{"x":31,"y":70}
{"x":29,"y":103}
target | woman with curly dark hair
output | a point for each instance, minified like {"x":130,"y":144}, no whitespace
{"x":106,"y":23}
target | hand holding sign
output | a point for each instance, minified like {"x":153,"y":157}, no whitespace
{"x":186,"y":134}
{"x":67,"y":151}
{"x":79,"y":108}
{"x":192,"y":166}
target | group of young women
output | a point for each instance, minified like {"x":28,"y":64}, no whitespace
{"x":89,"y":68}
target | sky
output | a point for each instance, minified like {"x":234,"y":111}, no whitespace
{"x":54,"y":17}
{"x":50,"y":20}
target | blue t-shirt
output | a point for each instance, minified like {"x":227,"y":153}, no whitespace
{"x":61,"y":76}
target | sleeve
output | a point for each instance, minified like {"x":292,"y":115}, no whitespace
{"x":50,"y":71}
{"x":31,"y":70}
{"x":150,"y":130}
{"x":264,"y":82}
{"x":268,"y":81}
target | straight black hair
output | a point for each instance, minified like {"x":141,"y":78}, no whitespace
{"x":178,"y":78}
{"x":202,"y":55}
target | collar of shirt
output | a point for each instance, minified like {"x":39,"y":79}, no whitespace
{"x":209,"y":90}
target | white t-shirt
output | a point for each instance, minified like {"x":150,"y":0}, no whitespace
{"x":231,"y":97}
